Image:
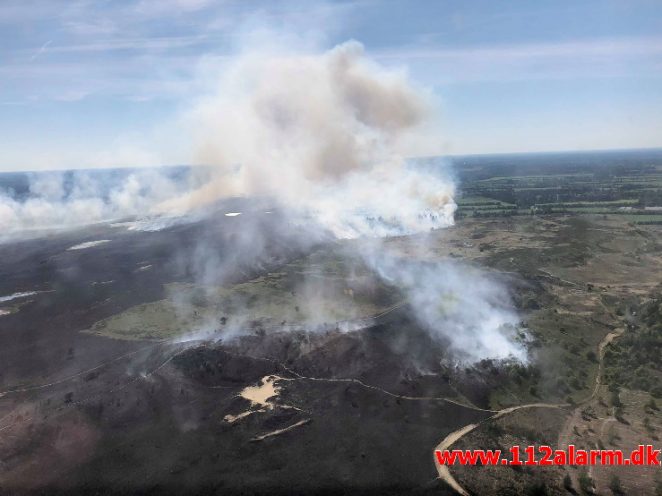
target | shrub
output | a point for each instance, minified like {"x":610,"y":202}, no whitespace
{"x":567,"y":483}
{"x":615,"y":485}
{"x":585,"y":482}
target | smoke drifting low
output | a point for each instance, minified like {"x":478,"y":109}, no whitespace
{"x":78,"y":198}
{"x":457,"y":304}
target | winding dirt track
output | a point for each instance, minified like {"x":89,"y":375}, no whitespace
{"x":444,"y":471}
{"x":71,"y":377}
{"x":357,"y":323}
{"x":453,"y":437}
{"x":601,"y":355}
{"x":180,"y":347}
{"x":566,"y":434}
{"x":362,"y":384}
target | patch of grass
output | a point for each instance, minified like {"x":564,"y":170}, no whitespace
{"x":314,"y":290}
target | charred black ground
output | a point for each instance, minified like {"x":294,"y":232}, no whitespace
{"x":357,"y":411}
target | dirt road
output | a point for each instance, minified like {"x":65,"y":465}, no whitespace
{"x":444,"y":471}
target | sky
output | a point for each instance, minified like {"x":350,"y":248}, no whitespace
{"x":103,"y":83}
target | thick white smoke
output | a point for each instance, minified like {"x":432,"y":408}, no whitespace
{"x":322,"y":134}
{"x":325,"y":136}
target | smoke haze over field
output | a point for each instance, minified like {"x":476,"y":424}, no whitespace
{"x":323,"y":136}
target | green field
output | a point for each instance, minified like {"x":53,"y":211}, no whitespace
{"x":602,"y":183}
{"x":612,"y":187}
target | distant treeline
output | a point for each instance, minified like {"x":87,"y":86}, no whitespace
{"x":511,"y":184}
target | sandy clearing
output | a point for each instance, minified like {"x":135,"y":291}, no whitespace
{"x":88,"y":244}
{"x":260,"y":397}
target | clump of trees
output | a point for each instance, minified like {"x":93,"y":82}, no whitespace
{"x":633,"y":361}
{"x":615,"y":485}
{"x":586,"y":483}
{"x":567,"y":483}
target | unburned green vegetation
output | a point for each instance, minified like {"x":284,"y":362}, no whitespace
{"x":634,"y":361}
{"x":316,"y":290}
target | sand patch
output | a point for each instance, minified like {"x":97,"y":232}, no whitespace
{"x":88,"y":244}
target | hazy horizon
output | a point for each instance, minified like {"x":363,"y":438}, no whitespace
{"x":111,"y":85}
{"x":456,"y":156}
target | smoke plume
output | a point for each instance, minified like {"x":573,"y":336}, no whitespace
{"x":324,"y":137}
{"x":322,"y":134}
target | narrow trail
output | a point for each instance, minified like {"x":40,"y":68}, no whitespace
{"x":26,"y":389}
{"x":92,"y":396}
{"x":388,"y":393}
{"x":602,"y":347}
{"x":182,"y":346}
{"x":280,"y":431}
{"x":444,"y":471}
{"x":350,"y":380}
{"x":566,"y":433}
{"x":359,"y":323}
